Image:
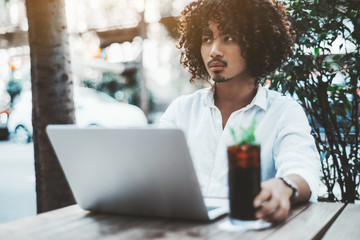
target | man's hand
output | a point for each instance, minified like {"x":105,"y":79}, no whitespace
{"x":273,"y":201}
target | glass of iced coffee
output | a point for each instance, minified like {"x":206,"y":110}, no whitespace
{"x":244,"y":180}
{"x":244,"y":175}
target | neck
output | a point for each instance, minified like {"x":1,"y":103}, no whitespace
{"x":234,"y":95}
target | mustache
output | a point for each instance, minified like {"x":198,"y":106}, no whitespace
{"x":218,"y":60}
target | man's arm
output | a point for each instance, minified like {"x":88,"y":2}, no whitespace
{"x":274,"y":198}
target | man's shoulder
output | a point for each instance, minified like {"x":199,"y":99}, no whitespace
{"x":197,"y":97}
{"x":277,"y":99}
{"x":184,"y":108}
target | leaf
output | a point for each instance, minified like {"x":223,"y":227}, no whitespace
{"x":233,"y":134}
{"x":316,"y":51}
{"x":247,"y":136}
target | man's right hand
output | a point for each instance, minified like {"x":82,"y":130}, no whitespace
{"x":273,"y":201}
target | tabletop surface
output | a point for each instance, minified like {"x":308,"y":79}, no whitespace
{"x":308,"y":221}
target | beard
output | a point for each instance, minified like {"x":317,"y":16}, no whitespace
{"x":218,"y":78}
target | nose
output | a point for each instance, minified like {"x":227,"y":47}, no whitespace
{"x":215,"y":51}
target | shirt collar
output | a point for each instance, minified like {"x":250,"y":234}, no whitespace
{"x":209,"y":97}
{"x":259,"y":99}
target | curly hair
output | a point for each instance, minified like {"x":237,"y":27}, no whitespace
{"x":263,"y":30}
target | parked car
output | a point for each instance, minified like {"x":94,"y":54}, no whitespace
{"x":92,"y":108}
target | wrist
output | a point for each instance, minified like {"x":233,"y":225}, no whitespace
{"x":292,"y":187}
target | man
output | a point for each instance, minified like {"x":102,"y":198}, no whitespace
{"x":232,"y":44}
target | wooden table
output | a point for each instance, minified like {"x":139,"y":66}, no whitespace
{"x":310,"y":221}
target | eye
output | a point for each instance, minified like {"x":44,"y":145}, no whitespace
{"x":206,"y":39}
{"x":229,"y":38}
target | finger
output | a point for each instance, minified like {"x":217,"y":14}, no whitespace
{"x":283,"y":212}
{"x":280,"y":214}
{"x":269,"y":217}
{"x":268,"y":208}
{"x":264,"y":195}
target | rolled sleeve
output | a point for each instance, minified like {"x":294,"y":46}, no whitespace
{"x":295,"y":151}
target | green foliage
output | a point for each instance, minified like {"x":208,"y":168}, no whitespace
{"x":246,"y":136}
{"x":312,"y":76}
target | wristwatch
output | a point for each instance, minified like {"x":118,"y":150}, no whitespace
{"x":295,"y":192}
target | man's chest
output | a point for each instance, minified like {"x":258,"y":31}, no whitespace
{"x":208,"y":140}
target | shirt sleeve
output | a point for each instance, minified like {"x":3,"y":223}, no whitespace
{"x":294,"y":148}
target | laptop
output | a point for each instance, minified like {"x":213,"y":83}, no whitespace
{"x":133,"y":171}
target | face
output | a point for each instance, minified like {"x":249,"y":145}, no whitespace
{"x":221,"y":54}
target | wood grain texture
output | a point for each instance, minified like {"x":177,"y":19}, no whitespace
{"x":309,"y":223}
{"x":346,"y":226}
{"x":74,"y":223}
{"x":260,"y":234}
{"x":36,"y":226}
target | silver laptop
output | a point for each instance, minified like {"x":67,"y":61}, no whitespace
{"x":132,"y":171}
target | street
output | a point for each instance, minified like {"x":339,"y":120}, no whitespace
{"x":17,"y":181}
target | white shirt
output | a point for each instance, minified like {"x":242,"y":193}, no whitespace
{"x":282,"y":130}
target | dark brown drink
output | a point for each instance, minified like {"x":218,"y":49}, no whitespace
{"x":244,"y":180}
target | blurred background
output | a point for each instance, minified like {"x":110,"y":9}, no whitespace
{"x":118,"y":47}
{"x":123,"y":50}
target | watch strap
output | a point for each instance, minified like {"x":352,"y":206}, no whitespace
{"x":292,"y":185}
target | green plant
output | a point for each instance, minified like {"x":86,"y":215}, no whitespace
{"x":246,"y":136}
{"x":324,"y":76}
